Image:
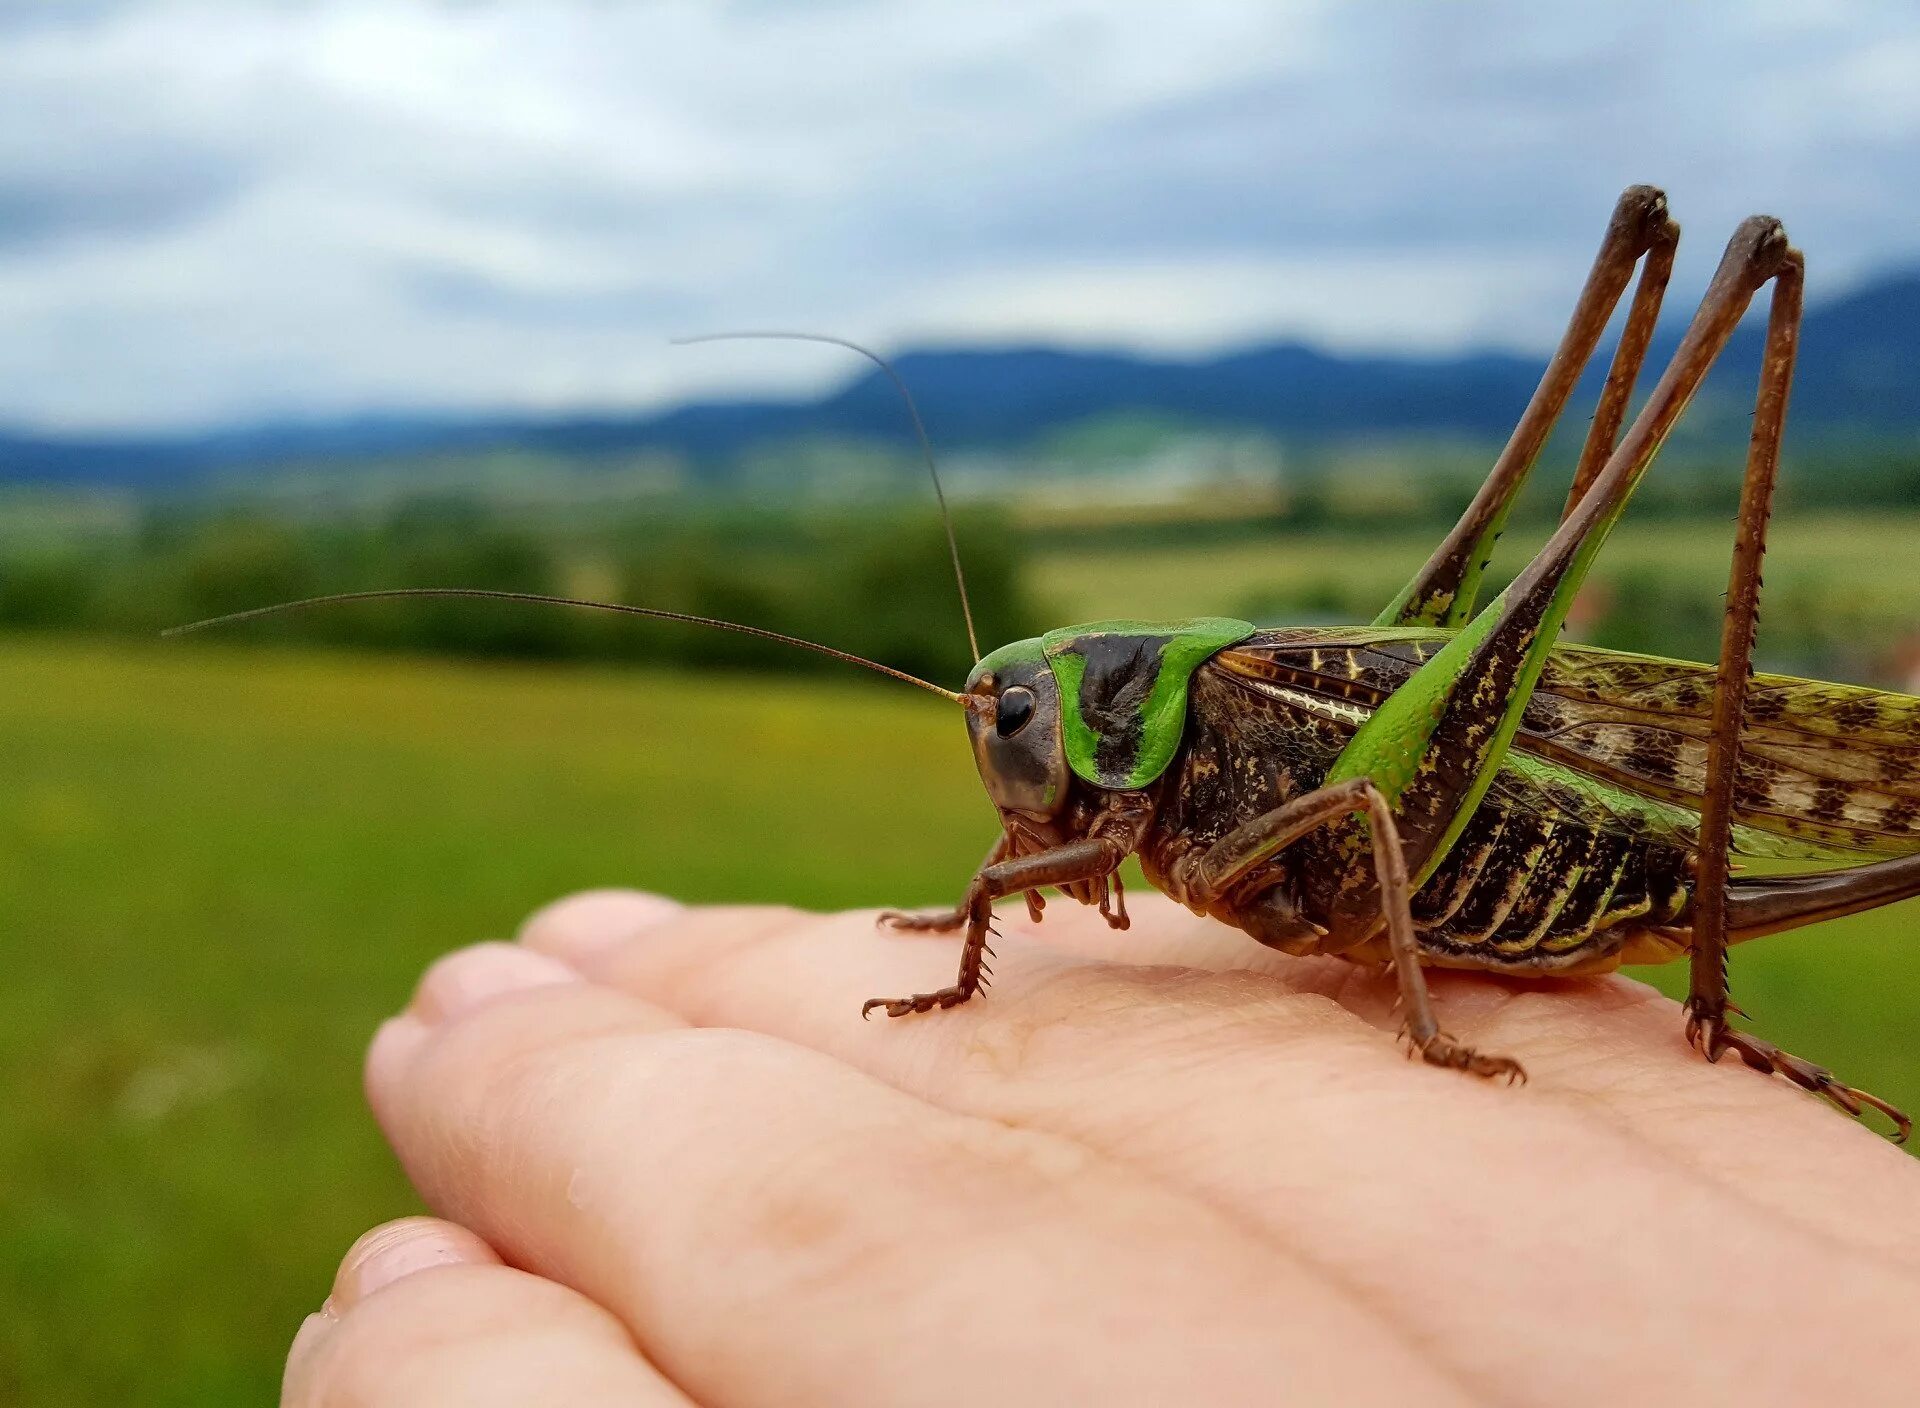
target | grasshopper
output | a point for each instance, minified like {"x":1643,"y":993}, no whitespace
{"x":1448,"y":786}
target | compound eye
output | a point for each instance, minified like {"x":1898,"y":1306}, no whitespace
{"x":1014,"y":711}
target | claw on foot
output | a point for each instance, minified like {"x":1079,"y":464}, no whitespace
{"x":1709,"y":1034}
{"x":1443,"y":1050}
{"x":919,"y":1002}
{"x":1706,"y":1033}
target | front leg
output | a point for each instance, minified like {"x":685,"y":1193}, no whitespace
{"x":944,"y":921}
{"x":1093,"y":859}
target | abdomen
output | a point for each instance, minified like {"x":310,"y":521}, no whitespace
{"x":1520,"y":892}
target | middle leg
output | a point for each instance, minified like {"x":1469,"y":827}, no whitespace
{"x":1215,"y":871}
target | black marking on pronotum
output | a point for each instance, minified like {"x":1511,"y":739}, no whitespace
{"x":1121,"y":671}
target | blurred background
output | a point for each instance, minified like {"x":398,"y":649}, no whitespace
{"x":1224,"y":311}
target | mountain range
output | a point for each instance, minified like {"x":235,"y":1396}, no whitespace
{"x":1859,"y":373}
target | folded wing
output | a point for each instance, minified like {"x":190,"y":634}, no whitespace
{"x":1619,"y":741}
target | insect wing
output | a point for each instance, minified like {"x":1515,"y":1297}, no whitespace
{"x":1618,"y":741}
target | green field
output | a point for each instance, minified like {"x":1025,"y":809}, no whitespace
{"x":221,"y":867}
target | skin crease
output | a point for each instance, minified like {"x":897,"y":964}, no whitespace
{"x":1154,"y":1167}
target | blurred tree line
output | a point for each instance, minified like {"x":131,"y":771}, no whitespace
{"x":1688,"y":481}
{"x":876,"y":584}
{"x":874,"y":578}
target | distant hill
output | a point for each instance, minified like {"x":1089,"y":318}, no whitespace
{"x":1859,"y":372}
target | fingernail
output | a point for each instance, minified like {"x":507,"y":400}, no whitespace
{"x":581,"y":927}
{"x":398,"y":1249}
{"x":475,"y":976}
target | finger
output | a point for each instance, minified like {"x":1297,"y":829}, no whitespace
{"x":575,"y":928}
{"x":1612,"y":1044}
{"x":396,"y":1249}
{"x":775,"y":1228}
{"x":1288,"y":1112}
{"x":423,"y":1313}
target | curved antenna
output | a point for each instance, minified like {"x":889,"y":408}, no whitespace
{"x":650,"y":612}
{"x":919,"y":429}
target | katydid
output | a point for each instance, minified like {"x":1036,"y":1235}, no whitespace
{"x":1448,"y":786}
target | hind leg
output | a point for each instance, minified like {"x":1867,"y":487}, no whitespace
{"x":1707,"y":1005}
{"x":1763,"y":1055}
{"x":1443,"y":591}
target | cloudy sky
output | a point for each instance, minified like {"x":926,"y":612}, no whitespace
{"x":215,"y":212}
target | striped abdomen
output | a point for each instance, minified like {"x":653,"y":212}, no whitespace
{"x":1521,"y":891}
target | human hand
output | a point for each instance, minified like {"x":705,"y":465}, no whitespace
{"x":1165,"y":1166}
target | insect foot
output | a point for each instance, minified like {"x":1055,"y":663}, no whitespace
{"x":1442,"y":1050}
{"x":1710,"y":1035}
{"x":919,"y":1002}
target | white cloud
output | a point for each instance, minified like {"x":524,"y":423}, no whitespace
{"x":211,"y":211}
{"x":1352,"y":302}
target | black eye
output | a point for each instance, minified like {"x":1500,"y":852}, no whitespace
{"x":1014,"y":710}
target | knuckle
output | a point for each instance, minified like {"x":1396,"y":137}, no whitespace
{"x":818,"y":1188}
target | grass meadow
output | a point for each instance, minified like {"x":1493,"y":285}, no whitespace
{"x":222,"y":866}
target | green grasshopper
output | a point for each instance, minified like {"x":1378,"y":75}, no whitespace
{"x":1448,"y":786}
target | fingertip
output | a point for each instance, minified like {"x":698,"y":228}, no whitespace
{"x":580,"y":927}
{"x":399,"y":1249}
{"x":389,"y":1253}
{"x":476,"y":1333}
{"x":306,"y":1340}
{"x":457,"y":983}
{"x":471,"y":977}
{"x":389,"y":1056}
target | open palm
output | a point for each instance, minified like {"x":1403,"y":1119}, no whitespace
{"x":1157,"y":1167}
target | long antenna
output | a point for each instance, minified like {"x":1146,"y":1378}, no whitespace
{"x":647,"y":611}
{"x":919,"y":429}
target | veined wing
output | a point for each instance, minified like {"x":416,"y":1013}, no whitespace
{"x":1620,"y":741}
